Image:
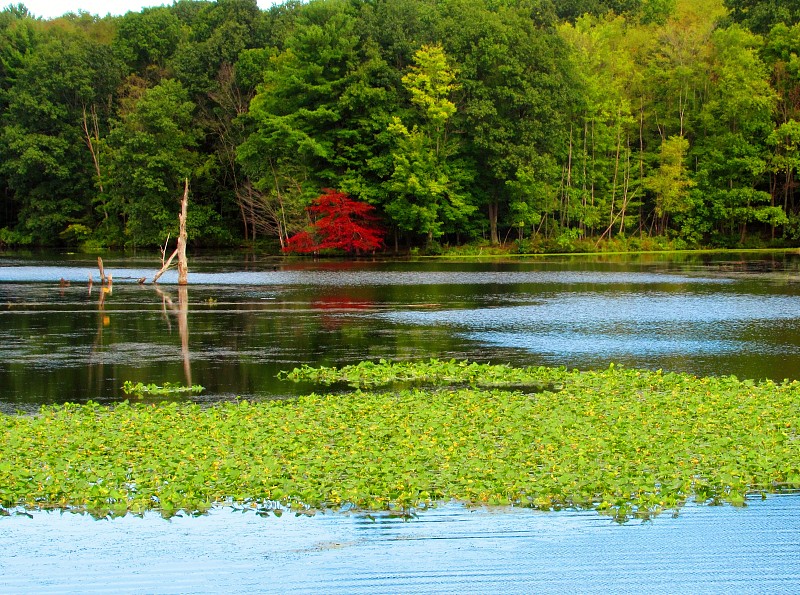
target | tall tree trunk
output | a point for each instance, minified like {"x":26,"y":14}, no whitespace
{"x":493,"y":209}
{"x":616,"y":173}
{"x":584,"y":189}
{"x":642,"y":221}
{"x":594,"y":174}
{"x":625,"y":187}
{"x":92,"y":139}
{"x":245,"y":224}
{"x":565,"y":207}
{"x":183,"y":265}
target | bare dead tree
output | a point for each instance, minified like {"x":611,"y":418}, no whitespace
{"x":275,"y":213}
{"x":180,"y":251}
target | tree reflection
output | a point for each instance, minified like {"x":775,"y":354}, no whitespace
{"x":181,"y":313}
{"x":335,"y":307}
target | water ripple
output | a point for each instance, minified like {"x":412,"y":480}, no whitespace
{"x":359,"y":277}
{"x":446,"y":550}
{"x":597,"y":308}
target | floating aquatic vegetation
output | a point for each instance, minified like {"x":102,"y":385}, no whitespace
{"x":433,"y":372}
{"x":139,"y":389}
{"x":624,"y":442}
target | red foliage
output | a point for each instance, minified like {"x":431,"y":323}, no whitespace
{"x":300,"y":242}
{"x":340,"y":224}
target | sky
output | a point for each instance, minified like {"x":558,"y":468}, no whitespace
{"x":49,"y":9}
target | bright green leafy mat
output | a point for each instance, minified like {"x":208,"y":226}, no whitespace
{"x":625,"y":442}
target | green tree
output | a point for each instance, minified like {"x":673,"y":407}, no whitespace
{"x":426,"y":192}
{"x":648,"y":11}
{"x":671,"y":182}
{"x":47,"y":159}
{"x":732,"y":152}
{"x":515,"y":97}
{"x":19,"y":35}
{"x":785,"y":163}
{"x":782,"y":53}
{"x":601,"y":178}
{"x":219,"y":32}
{"x":762,"y":15}
{"x":316,"y":118}
{"x":400,"y":28}
{"x":147,"y":40}
{"x":152,"y":151}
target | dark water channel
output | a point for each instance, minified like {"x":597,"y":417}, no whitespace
{"x":242,"y":319}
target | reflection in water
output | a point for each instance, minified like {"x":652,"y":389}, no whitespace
{"x":183,"y":329}
{"x":95,"y":373}
{"x":353,"y":277}
{"x":652,"y":329}
{"x":677,"y":307}
{"x":334,"y":309}
{"x":62,"y":343}
{"x":555,"y":345}
{"x":181,"y":313}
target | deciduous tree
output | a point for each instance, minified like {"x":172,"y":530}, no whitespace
{"x":670,"y":181}
{"x":44,"y":159}
{"x":152,"y":153}
{"x":339,"y":223}
{"x":761,"y":15}
{"x":426,"y":192}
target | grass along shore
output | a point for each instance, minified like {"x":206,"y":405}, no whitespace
{"x":408,"y":435}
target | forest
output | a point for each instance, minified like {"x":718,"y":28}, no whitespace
{"x":537,"y":125}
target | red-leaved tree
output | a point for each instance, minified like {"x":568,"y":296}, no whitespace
{"x":339,"y":223}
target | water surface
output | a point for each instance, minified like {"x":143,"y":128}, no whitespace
{"x":446,"y":550}
{"x":242,"y":320}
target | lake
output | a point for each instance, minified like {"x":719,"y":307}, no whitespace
{"x":244,"y":318}
{"x":705,"y":550}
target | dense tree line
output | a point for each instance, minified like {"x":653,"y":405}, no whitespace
{"x":549,"y":124}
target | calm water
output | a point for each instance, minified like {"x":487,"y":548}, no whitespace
{"x":705,"y":550}
{"x":242,"y":320}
